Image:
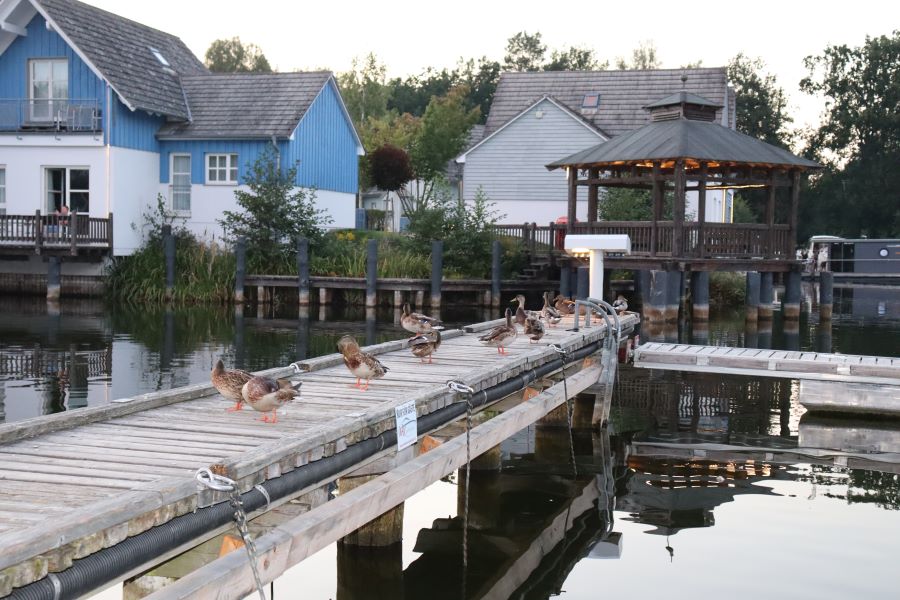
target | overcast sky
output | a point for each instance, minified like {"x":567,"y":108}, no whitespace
{"x":408,"y":36}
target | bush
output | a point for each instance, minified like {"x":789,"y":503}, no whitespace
{"x":727,"y":289}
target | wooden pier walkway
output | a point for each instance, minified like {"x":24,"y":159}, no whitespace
{"x":75,"y":483}
{"x":769,"y":363}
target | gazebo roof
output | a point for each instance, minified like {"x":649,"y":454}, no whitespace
{"x":683,"y":97}
{"x":687,"y":139}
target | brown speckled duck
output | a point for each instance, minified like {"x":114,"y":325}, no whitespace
{"x":501,"y":335}
{"x":362,"y":364}
{"x":267,"y":395}
{"x":548,"y":313}
{"x":521,"y":314}
{"x":417,"y":322}
{"x":425,"y":345}
{"x":563,"y":305}
{"x":230,"y":383}
{"x":534,"y":329}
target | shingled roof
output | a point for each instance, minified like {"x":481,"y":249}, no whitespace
{"x":246,"y":105}
{"x":623,"y":94}
{"x":121,"y":50}
{"x":684,"y":138}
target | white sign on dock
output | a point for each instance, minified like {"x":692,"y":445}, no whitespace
{"x":407,"y":432}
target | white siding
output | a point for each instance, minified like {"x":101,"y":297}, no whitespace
{"x":510,"y":167}
{"x":132,"y":188}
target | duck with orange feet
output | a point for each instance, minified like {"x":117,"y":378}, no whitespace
{"x":362,"y":364}
{"x":501,"y":336}
{"x":268,"y":395}
{"x":229,"y":383}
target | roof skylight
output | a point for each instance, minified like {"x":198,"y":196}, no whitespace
{"x":162,"y":59}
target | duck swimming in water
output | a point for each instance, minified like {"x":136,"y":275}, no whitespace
{"x":268,"y":395}
{"x":362,"y":364}
{"x":417,"y":322}
{"x":230,"y":383}
{"x":501,"y":335}
{"x":425,"y":345}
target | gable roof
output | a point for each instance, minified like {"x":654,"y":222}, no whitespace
{"x":684,"y":138}
{"x":246,"y":105}
{"x":623,"y":94}
{"x":120,"y":51}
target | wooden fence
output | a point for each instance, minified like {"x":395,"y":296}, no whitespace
{"x":55,"y":232}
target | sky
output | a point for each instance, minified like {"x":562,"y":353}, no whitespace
{"x":408,"y":36}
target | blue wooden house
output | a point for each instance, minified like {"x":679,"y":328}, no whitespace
{"x":102,"y":114}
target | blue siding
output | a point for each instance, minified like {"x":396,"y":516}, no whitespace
{"x":41,"y":43}
{"x":135,"y":130}
{"x":324,"y":148}
{"x":247,"y":150}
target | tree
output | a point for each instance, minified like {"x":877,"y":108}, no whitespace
{"x":626,"y":204}
{"x":524,"y":52}
{"x":445,"y":130}
{"x":364,"y":90}
{"x":642,"y":57}
{"x":761,"y":105}
{"x":275,"y":213}
{"x":858,"y":139}
{"x":390,"y":168}
{"x":574,"y":59}
{"x":233,"y":56}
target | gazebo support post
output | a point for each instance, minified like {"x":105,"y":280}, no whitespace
{"x":701,"y":211}
{"x":795,"y":203}
{"x":593,"y":195}
{"x":573,"y":198}
{"x":770,"y":217}
{"x":678,"y":211}
{"x":656,"y":197}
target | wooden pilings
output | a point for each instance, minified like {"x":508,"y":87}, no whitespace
{"x":240,"y":256}
{"x":766,"y":296}
{"x":655,"y":307}
{"x":53,"y":279}
{"x":384,"y":530}
{"x":790,"y":304}
{"x":826,"y":295}
{"x":700,"y":295}
{"x":303,"y":271}
{"x":673,"y":295}
{"x":565,"y":281}
{"x":582,"y":282}
{"x":751,"y":299}
{"x":437,"y":272}
{"x":371,"y":273}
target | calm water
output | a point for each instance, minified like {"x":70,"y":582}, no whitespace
{"x":643,"y":522}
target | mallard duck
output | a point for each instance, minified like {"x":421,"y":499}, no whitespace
{"x":501,"y":335}
{"x":521,"y":314}
{"x":362,"y":364}
{"x":548,"y":313}
{"x":417,"y":322}
{"x":266,"y":395}
{"x":534,"y":329}
{"x":230,"y":383}
{"x":425,"y":345}
{"x":620,"y":305}
{"x":563,"y":305}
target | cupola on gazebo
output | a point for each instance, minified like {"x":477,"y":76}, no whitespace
{"x":683,"y":149}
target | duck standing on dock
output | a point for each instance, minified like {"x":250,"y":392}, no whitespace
{"x":521,"y":313}
{"x":563,"y":305}
{"x":230,"y":383}
{"x":548,"y":313}
{"x":501,"y":335}
{"x":425,"y":345}
{"x":268,"y":395}
{"x":362,"y":364}
{"x":620,"y":305}
{"x":418,"y":323}
{"x":534,"y":329}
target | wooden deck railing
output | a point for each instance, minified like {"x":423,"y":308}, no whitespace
{"x":55,"y":232}
{"x":712,"y":240}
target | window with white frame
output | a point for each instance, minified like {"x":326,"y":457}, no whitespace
{"x":2,"y":190}
{"x":222,"y":169}
{"x":181,"y":182}
{"x":69,"y":187}
{"x":48,"y":88}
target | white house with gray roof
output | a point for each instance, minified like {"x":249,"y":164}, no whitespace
{"x":101,"y":114}
{"x":538,"y":118}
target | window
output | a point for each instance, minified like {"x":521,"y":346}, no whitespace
{"x":2,"y":190}
{"x":590,"y":101}
{"x":67,"y":186}
{"x":48,"y":88}
{"x":162,"y":59}
{"x":221,"y":168}
{"x":181,"y":182}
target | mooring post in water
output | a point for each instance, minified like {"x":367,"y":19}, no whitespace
{"x":53,"y":279}
{"x":565,"y":281}
{"x":655,"y":308}
{"x":365,"y":573}
{"x":700,"y":296}
{"x":437,"y":272}
{"x":582,"y":283}
{"x":169,"y":252}
{"x":303,"y":271}
{"x":766,"y":295}
{"x":382,"y":531}
{"x":790,"y":303}
{"x":641,"y":288}
{"x":826,"y":295}
{"x":371,"y":273}
{"x":751,"y":299}
{"x":495,"y":274}
{"x":673,"y":296}
{"x":240,"y":259}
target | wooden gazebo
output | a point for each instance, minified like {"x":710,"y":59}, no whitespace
{"x":680,"y":150}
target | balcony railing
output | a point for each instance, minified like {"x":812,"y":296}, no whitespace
{"x":67,"y":233}
{"x":66,"y":114}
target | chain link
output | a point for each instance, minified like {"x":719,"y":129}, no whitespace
{"x":220,"y":483}
{"x":467,"y":392}
{"x":564,"y":354}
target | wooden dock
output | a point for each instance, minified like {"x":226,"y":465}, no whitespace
{"x":75,"y":483}
{"x":769,"y":363}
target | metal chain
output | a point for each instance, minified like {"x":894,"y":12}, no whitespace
{"x":467,"y":394}
{"x":564,"y":354}
{"x":220,"y":483}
